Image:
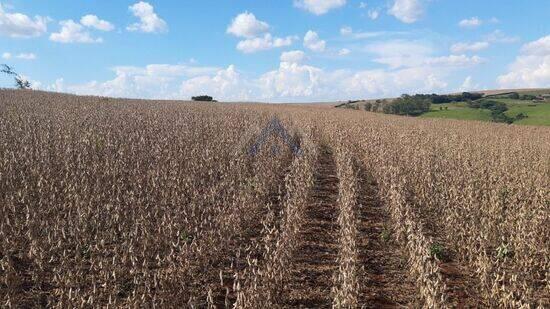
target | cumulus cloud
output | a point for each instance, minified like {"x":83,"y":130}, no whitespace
{"x":377,"y":83}
{"x":149,"y":21}
{"x":293,"y":80}
{"x":466,"y":47}
{"x":18,"y":25}
{"x":152,"y":81}
{"x":531,"y":68}
{"x":224,"y":83}
{"x":407,"y":11}
{"x":373,"y":14}
{"x":468,"y":85}
{"x":319,"y":7}
{"x":472,"y":22}
{"x":72,"y":32}
{"x":313,"y":42}
{"x":266,"y":42}
{"x":247,"y":26}
{"x":255,"y":32}
{"x":94,"y":22}
{"x":294,"y":56}
{"x":6,"y":55}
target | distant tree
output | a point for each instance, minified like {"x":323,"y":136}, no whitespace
{"x":368,"y":106}
{"x":514,"y":95}
{"x":203,"y":98}
{"x":527,"y":97}
{"x":20,"y":82}
{"x":408,"y":105}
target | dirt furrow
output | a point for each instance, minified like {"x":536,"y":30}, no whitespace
{"x":314,"y":262}
{"x":463,"y":287}
{"x":385,"y":280}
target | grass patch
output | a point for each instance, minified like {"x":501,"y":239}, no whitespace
{"x":537,"y":113}
{"x":457,"y":112}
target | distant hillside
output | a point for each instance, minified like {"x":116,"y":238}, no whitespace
{"x":518,"y":106}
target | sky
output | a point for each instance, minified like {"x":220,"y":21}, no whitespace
{"x":275,"y":51}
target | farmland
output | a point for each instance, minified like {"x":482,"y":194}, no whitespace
{"x":135,"y":203}
{"x":528,"y":107}
{"x":537,"y":113}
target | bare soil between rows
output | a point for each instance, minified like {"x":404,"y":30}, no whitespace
{"x":314,"y":262}
{"x":385,"y":281}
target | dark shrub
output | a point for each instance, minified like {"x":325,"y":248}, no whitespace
{"x":203,"y":98}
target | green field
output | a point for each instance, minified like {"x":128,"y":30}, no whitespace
{"x":537,"y":114}
{"x":456,"y":112}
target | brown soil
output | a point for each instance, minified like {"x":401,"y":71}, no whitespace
{"x":314,"y":262}
{"x":385,"y":281}
{"x":461,"y":281}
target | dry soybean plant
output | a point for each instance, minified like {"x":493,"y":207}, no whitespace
{"x":131,"y":203}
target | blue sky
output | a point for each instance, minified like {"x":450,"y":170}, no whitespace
{"x":275,"y":51}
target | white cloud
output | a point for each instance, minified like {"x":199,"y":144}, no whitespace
{"x":349,"y":33}
{"x":94,"y":22}
{"x":344,"y":52}
{"x":266,"y":42}
{"x":454,"y":61}
{"x":373,"y":14}
{"x":152,"y":81}
{"x":247,"y":26}
{"x":149,"y":21}
{"x":227,"y":84}
{"x":346,"y":30}
{"x":17,"y":25}
{"x":540,"y":47}
{"x":26,"y":56}
{"x":22,"y":56}
{"x":468,"y":85}
{"x":58,"y":86}
{"x":465,"y":47}
{"x":319,"y":7}
{"x":313,"y":42}
{"x":498,"y":36}
{"x":72,"y":32}
{"x":400,"y":53}
{"x":292,"y":81}
{"x":294,"y":56}
{"x":382,"y":83}
{"x":472,"y":22}
{"x":407,"y":11}
{"x":531,"y":68}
